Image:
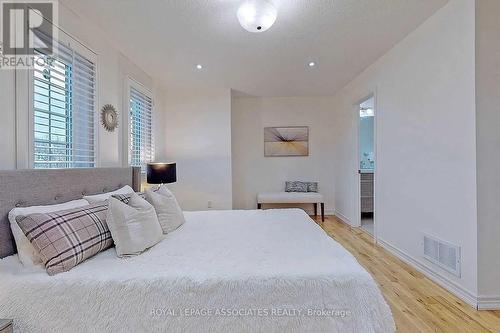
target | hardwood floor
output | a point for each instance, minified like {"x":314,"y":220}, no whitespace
{"x":417,"y":303}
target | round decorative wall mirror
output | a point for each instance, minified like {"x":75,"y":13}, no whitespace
{"x":109,"y":117}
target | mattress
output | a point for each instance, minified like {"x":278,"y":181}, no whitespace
{"x":222,"y":271}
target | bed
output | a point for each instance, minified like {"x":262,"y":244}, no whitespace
{"x":222,"y":271}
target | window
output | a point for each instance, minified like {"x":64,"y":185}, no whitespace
{"x":140,"y":122}
{"x":63,"y":110}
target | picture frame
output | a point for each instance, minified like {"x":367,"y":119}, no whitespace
{"x":286,"y":141}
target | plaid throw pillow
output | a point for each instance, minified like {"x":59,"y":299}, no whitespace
{"x":66,"y":238}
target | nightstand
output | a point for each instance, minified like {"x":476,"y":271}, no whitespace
{"x":6,"y":326}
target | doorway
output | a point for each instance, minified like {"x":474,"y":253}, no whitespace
{"x":366,"y":165}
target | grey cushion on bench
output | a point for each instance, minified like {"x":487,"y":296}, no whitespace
{"x":298,"y":186}
{"x":295,"y":186}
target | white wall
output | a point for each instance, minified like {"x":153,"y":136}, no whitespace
{"x":366,"y":141}
{"x":253,"y":173}
{"x":8,"y":120}
{"x":197,"y":129}
{"x":425,"y":127}
{"x":488,"y":143}
{"x":113,"y":70}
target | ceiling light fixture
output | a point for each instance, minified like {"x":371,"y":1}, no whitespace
{"x":199,"y":66}
{"x":312,"y":64}
{"x":257,"y":15}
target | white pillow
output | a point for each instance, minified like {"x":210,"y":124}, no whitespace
{"x":167,"y":209}
{"x":133,"y":226}
{"x":25,"y":251}
{"x":105,"y":196}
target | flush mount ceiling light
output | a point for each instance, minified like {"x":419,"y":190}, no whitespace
{"x":257,"y":15}
{"x":199,"y":66}
{"x":311,"y":64}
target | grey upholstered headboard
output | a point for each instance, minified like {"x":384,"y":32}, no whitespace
{"x":21,"y":188}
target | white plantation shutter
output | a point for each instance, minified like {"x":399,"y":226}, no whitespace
{"x":63,"y":110}
{"x":141,"y":134}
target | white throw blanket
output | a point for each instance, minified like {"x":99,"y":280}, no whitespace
{"x":222,"y":271}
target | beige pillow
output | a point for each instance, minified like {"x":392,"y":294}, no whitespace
{"x":133,"y":226}
{"x":167,"y":209}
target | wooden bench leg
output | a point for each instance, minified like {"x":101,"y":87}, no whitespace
{"x":315,"y":210}
{"x":323,"y":212}
{"x":259,"y":206}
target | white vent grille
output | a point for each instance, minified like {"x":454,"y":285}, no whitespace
{"x":443,"y":254}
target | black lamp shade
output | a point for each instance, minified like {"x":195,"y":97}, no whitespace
{"x":162,"y":173}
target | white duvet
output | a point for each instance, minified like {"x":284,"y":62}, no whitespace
{"x":222,"y":271}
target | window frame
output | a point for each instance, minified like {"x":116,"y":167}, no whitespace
{"x":25,"y":121}
{"x":129,"y":84}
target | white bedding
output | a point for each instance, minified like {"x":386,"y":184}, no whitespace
{"x":222,"y":271}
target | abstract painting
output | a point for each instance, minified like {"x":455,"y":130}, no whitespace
{"x":286,"y":141}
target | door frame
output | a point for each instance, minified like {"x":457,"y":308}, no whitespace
{"x":357,"y":192}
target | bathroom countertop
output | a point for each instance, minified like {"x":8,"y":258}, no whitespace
{"x":366,"y":171}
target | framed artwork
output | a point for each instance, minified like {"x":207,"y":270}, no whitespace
{"x":286,"y":141}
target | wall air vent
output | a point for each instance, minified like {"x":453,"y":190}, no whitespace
{"x":443,"y":254}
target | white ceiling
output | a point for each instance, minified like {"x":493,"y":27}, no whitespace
{"x":167,"y":38}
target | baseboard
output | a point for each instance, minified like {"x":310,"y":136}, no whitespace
{"x":488,"y":302}
{"x":342,"y":217}
{"x":477,"y":302}
{"x":440,"y":279}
